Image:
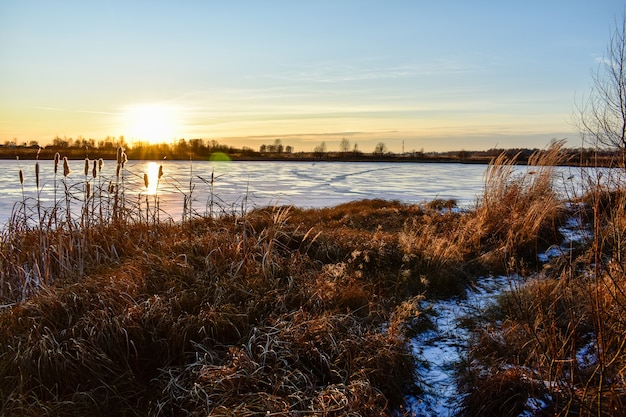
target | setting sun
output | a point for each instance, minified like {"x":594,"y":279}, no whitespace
{"x":153,"y":123}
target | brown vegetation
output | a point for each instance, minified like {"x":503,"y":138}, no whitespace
{"x":560,"y":338}
{"x":290,"y":311}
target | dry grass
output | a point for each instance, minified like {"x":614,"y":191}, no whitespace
{"x":280,"y":310}
{"x":228,"y":316}
{"x":519,"y":213}
{"x":564,"y":331}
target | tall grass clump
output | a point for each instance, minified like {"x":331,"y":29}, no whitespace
{"x":558,"y":342}
{"x":517,"y":216}
{"x":520,"y":212}
{"x":85,"y":225}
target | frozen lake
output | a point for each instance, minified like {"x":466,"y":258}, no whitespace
{"x":253,"y":184}
{"x":303,"y":184}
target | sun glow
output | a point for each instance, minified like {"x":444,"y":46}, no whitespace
{"x":152,"y":123}
{"x":152,"y":177}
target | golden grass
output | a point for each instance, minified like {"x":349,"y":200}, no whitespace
{"x":198,"y":320}
{"x":285,"y":310}
{"x":563,"y":332}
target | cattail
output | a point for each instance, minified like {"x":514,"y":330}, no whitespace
{"x":117,"y":170}
{"x":88,"y":190}
{"x":57,"y":158}
{"x":21,"y":176}
{"x":94,"y":172}
{"x":121,"y":157}
{"x":145,"y":180}
{"x":37,"y":174}
{"x":160,"y":171}
{"x":66,"y":167}
{"x":111,"y":187}
{"x":100,"y":164}
{"x":86,"y":166}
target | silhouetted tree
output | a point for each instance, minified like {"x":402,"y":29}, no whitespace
{"x":380,"y":148}
{"x":321,"y":148}
{"x":61,"y":143}
{"x":278,"y":146}
{"x":344,"y":145}
{"x":602,"y":117}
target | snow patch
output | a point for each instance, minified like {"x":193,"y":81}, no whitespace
{"x":438,"y":351}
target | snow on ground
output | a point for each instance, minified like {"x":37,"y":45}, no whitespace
{"x":574,"y":232}
{"x":439,"y":350}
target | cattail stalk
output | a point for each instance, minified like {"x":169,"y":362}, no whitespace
{"x":121,"y":160}
{"x":157,"y":201}
{"x":94,"y":174}
{"x":21,"y":177}
{"x":38,"y":192}
{"x":147,"y":184}
{"x":66,"y":172}
{"x":66,"y":167}
{"x":57,"y":158}
{"x":87,"y":192}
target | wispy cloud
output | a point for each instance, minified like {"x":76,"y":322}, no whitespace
{"x":66,"y":110}
{"x":339,"y":71}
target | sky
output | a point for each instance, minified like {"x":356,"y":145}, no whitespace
{"x":415,"y":75}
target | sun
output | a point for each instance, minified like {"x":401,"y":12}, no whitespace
{"x":153,"y":123}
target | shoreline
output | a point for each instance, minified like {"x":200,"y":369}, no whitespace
{"x":575,"y":157}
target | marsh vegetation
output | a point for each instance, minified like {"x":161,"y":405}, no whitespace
{"x":115,"y":309}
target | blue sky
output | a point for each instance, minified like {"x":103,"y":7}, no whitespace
{"x":444,"y":75}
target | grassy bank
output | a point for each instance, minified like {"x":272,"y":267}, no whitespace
{"x":288,"y":311}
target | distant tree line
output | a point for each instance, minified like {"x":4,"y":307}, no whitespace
{"x":276,"y":147}
{"x":200,"y":149}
